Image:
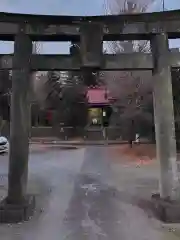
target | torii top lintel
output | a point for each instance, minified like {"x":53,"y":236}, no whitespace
{"x":67,"y":28}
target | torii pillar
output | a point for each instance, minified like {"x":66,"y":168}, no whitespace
{"x":18,"y":206}
{"x":165,"y":130}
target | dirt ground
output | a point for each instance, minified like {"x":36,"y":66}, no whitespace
{"x":141,"y":152}
{"x":89,"y":193}
{"x":136,"y":172}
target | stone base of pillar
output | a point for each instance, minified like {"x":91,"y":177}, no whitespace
{"x":166,"y":210}
{"x":10,"y":213}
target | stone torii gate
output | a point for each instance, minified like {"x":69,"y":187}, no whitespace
{"x":91,"y":32}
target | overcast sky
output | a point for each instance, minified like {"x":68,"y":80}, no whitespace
{"x":62,"y":7}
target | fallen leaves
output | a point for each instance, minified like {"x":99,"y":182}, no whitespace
{"x":142,"y":154}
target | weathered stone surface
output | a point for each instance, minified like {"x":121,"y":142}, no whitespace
{"x":91,"y":45}
{"x":130,"y":61}
{"x":13,"y":213}
{"x":115,"y":27}
{"x":20,"y":119}
{"x":164,"y":118}
{"x":166,"y":210}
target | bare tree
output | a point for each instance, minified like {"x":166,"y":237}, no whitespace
{"x":128,"y":7}
{"x":133,"y":90}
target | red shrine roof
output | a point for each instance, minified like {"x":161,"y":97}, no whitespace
{"x":98,"y":96}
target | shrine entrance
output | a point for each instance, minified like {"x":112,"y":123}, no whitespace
{"x":91,"y":32}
